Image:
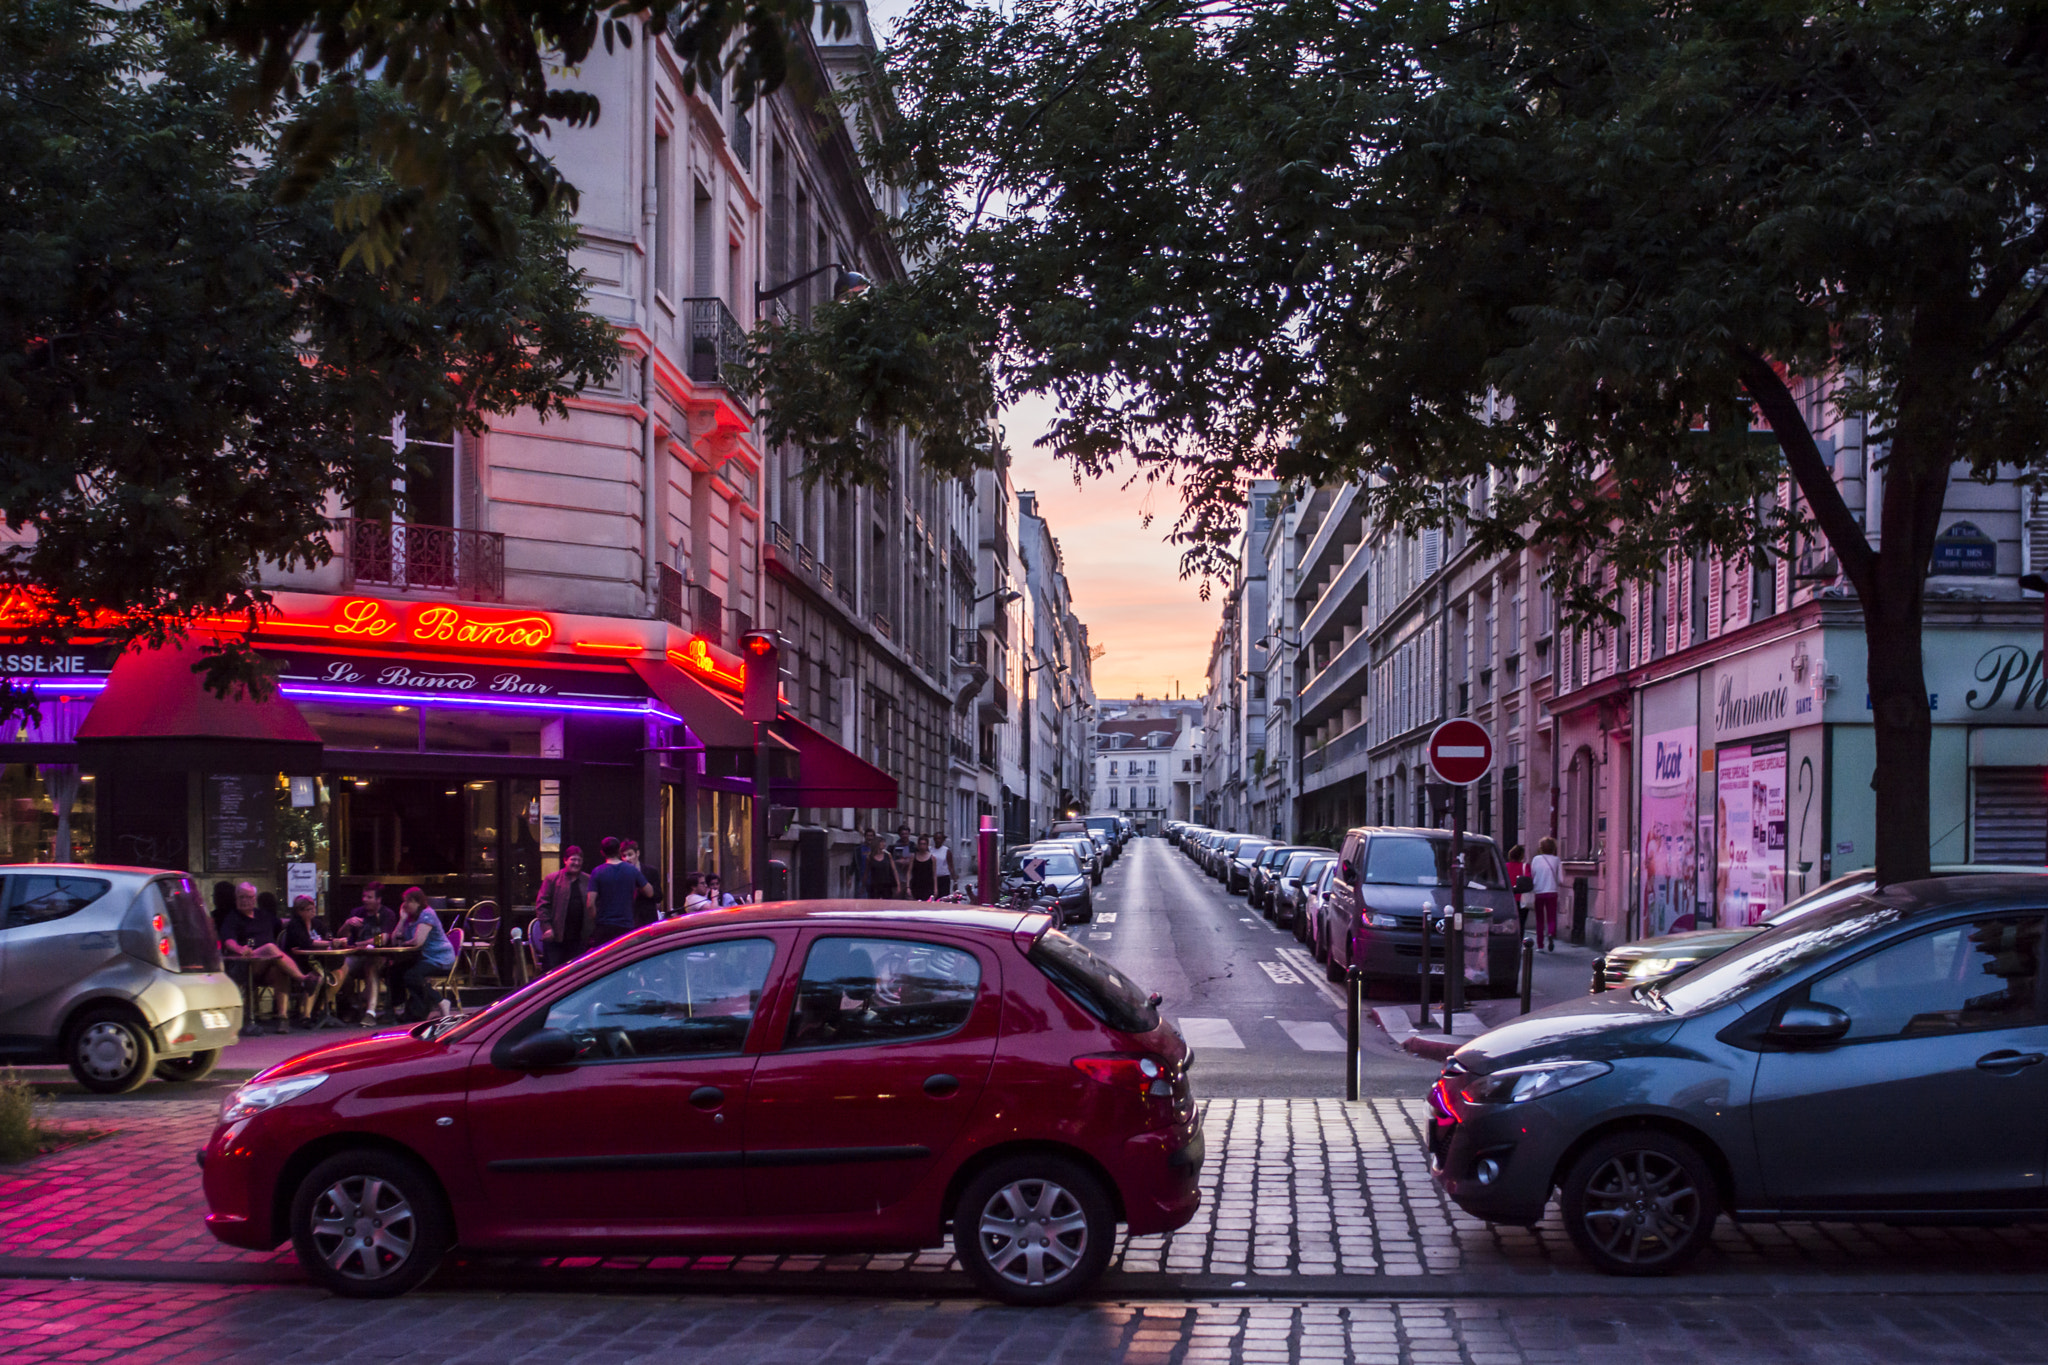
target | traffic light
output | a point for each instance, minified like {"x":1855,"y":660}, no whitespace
{"x":762,"y":650}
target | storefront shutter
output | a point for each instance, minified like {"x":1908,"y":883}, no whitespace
{"x":2009,"y":815}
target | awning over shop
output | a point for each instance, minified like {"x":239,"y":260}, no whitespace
{"x":156,"y":706}
{"x":715,"y":722}
{"x":808,"y":769}
{"x":829,"y":774}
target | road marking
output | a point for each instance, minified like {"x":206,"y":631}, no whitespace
{"x":1303,"y":959}
{"x":1098,"y":933}
{"x":1200,"y":1033}
{"x":1282,"y":974}
{"x":1313,"y":1035}
{"x":1109,"y":918}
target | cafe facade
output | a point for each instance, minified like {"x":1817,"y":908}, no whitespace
{"x":452,"y":746}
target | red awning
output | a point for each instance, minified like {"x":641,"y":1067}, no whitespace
{"x":154,"y":694}
{"x":829,"y":774}
{"x":715,"y":722}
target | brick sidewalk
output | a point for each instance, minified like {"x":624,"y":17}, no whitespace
{"x":48,"y":1321}
{"x":1315,"y":1194}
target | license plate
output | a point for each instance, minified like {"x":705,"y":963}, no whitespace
{"x":213,"y":1019}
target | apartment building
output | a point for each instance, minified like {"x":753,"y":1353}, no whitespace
{"x":1058,"y":691}
{"x":1703,"y":761}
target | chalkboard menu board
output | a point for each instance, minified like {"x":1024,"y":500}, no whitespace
{"x":238,"y":809}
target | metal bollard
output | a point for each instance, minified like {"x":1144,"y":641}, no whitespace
{"x":1354,"y":982}
{"x":1422,"y":1020}
{"x":1528,"y":969}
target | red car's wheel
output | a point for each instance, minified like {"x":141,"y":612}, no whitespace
{"x":1034,"y":1230}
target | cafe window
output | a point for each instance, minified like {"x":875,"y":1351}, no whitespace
{"x":724,"y":838}
{"x":446,"y":836}
{"x":46,"y":813}
{"x":470,"y":730}
{"x":379,"y":727}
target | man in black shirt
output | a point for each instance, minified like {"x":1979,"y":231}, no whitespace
{"x":243,"y":941}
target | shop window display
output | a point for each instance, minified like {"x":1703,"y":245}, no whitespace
{"x":48,"y":813}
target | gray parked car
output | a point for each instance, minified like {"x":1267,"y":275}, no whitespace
{"x":1388,"y":879}
{"x":114,"y":972}
{"x":1879,"y":1058}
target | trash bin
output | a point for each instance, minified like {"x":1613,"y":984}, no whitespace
{"x":1581,"y":899}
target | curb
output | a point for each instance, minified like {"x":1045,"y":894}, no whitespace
{"x":1437,"y":1049}
{"x":1115,"y":1285}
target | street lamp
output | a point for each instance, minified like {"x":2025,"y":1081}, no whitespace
{"x":1008,"y":595}
{"x":849,"y":283}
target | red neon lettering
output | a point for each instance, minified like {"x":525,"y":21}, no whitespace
{"x":365,"y":618}
{"x":439,"y":625}
{"x":696,"y":656}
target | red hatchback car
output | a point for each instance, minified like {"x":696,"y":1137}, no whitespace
{"x":822,"y":1076}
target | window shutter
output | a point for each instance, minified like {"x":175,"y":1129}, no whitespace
{"x":1745,"y":582}
{"x":1781,"y":585}
{"x":1675,"y":600}
{"x":1715,"y":572}
{"x":2033,"y":531}
{"x":1432,"y":550}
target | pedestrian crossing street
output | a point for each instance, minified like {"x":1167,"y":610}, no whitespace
{"x":1289,"y":966}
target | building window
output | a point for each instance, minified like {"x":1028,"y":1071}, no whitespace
{"x":1112,"y":767}
{"x":1151,"y":796}
{"x":1151,"y":767}
{"x":1112,"y":796}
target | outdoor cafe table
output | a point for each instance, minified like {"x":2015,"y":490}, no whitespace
{"x":334,"y":956}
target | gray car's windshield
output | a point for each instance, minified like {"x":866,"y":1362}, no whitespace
{"x":1411,"y":860}
{"x":1776,"y":953}
{"x":1298,"y":863}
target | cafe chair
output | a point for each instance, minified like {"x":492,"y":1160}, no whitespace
{"x":445,"y":982}
{"x":480,"y":943}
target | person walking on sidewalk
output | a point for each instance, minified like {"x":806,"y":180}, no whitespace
{"x":924,"y":874}
{"x":1519,"y":885}
{"x":1545,"y":874}
{"x":942,"y":863}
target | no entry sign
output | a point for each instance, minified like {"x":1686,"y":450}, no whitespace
{"x":1460,"y":752}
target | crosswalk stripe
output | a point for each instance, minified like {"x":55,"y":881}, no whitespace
{"x":1201,"y":1033}
{"x":1313,"y":1035}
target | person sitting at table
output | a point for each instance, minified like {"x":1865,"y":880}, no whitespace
{"x":242,"y":940}
{"x":694,"y":898}
{"x":419,"y":926}
{"x":301,"y":936}
{"x":370,"y":926}
{"x":716,"y":895}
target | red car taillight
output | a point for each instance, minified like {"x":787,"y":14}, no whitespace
{"x":1140,"y":1075}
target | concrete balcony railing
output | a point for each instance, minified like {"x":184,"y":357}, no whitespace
{"x":412,"y":556}
{"x":1343,"y":599}
{"x":1343,"y":675}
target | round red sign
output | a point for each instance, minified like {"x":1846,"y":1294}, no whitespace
{"x":1460,"y":751}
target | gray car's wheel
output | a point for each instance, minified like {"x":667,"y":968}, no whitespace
{"x":368,"y":1224}
{"x":109,"y":1051}
{"x":1034,"y":1230}
{"x":193,"y":1066}
{"x":1640,"y":1203}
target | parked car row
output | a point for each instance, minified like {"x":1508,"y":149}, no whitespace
{"x":1365,"y":904}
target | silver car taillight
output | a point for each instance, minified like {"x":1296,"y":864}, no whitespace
{"x":166,"y":942}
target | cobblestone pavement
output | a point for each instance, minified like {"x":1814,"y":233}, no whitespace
{"x":155,"y":1324}
{"x":1299,"y":1197}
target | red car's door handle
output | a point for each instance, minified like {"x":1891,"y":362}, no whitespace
{"x":707,"y":1097}
{"x":941,"y":1085}
{"x":2007,"y":1060}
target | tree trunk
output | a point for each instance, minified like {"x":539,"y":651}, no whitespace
{"x":1904,"y":726}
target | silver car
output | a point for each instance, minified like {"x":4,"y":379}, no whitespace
{"x":113,"y":971}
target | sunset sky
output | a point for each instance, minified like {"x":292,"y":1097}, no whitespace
{"x":1125,"y":577}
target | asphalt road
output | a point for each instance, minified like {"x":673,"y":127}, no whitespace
{"x":1253,"y":1003}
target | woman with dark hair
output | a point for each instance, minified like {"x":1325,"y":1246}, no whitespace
{"x":883,"y":883}
{"x":924,"y":871}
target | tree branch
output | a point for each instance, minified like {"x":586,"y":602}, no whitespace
{"x":1802,"y":455}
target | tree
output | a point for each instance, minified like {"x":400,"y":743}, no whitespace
{"x":188,"y":366}
{"x":1588,"y":245}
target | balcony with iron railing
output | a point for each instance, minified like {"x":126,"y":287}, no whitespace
{"x":718,"y":348}
{"x":412,"y":556}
